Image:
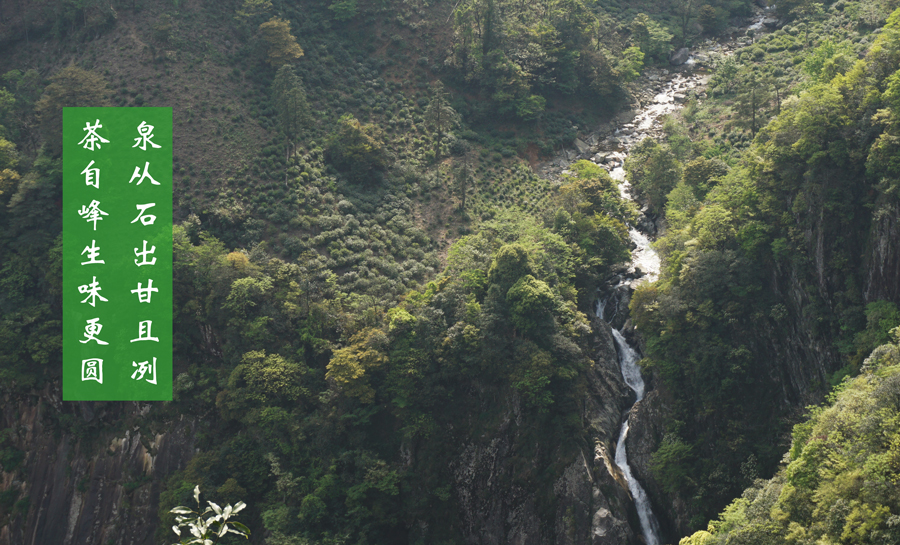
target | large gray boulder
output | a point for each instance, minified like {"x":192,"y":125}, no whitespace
{"x":680,"y":56}
{"x":582,"y":146}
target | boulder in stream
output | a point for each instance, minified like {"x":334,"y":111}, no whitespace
{"x":582,"y":146}
{"x":680,"y":56}
{"x":626,"y":116}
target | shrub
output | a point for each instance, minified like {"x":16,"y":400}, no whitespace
{"x":356,"y":149}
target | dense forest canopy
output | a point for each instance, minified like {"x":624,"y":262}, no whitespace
{"x":369,"y":273}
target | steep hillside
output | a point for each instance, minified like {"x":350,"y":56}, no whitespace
{"x":840,"y":478}
{"x":777,"y":277}
{"x":382,"y":311}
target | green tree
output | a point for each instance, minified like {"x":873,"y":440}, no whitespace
{"x":653,"y":39}
{"x":19,"y":116}
{"x":701,"y":174}
{"x":344,"y":10}
{"x":71,"y":86}
{"x":290,"y":101}
{"x":752,"y":103}
{"x":356,"y":149}
{"x":827,"y":60}
{"x":268,"y":379}
{"x":530,"y":107}
{"x":439,"y":116}
{"x":708,"y":18}
{"x":713,"y":226}
{"x":631,"y":63}
{"x":253,"y":9}
{"x":531,"y":303}
{"x":532,"y":374}
{"x":681,"y":205}
{"x":726,"y":70}
{"x":9,"y":157}
{"x":510,"y":263}
{"x":686,"y":11}
{"x":597,"y":73}
{"x":162,"y":29}
{"x":350,"y":367}
{"x":653,"y":169}
{"x":670,"y":464}
{"x":283,"y":47}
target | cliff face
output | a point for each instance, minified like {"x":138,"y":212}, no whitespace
{"x":882,"y":263}
{"x":645,"y":431}
{"x":99,"y":487}
{"x":102,"y":485}
{"x":589,"y":496}
{"x":794,"y":347}
{"x":792,"y":359}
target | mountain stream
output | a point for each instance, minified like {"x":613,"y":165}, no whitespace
{"x":660,"y":93}
{"x":670,"y":93}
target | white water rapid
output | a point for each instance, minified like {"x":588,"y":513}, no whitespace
{"x":669,"y":96}
{"x":644,"y":259}
{"x":628,"y":362}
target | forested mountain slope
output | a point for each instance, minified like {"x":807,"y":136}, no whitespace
{"x":839,"y":484}
{"x":780,"y":272}
{"x":383,"y":329}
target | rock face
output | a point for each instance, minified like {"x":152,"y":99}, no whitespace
{"x":582,"y":146}
{"x":794,"y":353}
{"x":84,"y":491}
{"x":680,"y":56}
{"x":592,"y":504}
{"x":645,"y":432}
{"x":883,"y":255}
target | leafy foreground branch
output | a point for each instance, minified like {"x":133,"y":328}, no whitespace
{"x":204,"y":528}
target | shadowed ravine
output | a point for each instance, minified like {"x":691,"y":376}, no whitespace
{"x":644,"y":266}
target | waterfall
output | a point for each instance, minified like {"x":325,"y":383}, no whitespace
{"x":644,"y":258}
{"x":632,"y":373}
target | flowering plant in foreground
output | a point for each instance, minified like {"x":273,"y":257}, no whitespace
{"x":204,"y":528}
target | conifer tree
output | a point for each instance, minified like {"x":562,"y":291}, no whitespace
{"x":290,"y":101}
{"x":439,"y":116}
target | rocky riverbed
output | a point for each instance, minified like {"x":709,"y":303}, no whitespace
{"x":659,"y":91}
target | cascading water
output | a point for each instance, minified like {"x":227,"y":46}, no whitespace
{"x":645,"y":260}
{"x":644,"y":263}
{"x":628,"y":361}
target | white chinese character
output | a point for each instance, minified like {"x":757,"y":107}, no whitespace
{"x":149,"y":218}
{"x":92,"y":139}
{"x":143,"y":255}
{"x":143,"y":293}
{"x":137,"y":172}
{"x":91,"y":175}
{"x":92,"y":329}
{"x":146,"y":133}
{"x":92,"y":369}
{"x":93,"y":252}
{"x":143,"y":368}
{"x":93,"y":291}
{"x":92,"y":213}
{"x":144,"y":333}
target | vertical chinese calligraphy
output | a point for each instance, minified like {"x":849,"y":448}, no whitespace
{"x":117,"y":254}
